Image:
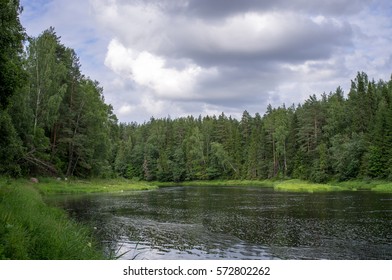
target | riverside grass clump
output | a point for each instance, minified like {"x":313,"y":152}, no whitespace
{"x":383,"y":187}
{"x":296,"y":185}
{"x":49,"y":186}
{"x":29,"y":229}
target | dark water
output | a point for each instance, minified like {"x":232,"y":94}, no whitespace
{"x":238,"y":223}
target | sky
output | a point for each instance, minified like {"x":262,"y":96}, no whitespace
{"x":165,"y":58}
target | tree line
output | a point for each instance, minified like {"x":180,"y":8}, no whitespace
{"x":54,"y":121}
{"x":332,"y":137}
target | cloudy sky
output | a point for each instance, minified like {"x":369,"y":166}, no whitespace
{"x":189,"y":57}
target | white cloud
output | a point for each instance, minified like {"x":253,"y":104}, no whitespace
{"x":126,"y":109}
{"x":134,"y":23}
{"x":372,"y":41}
{"x":151,"y":71}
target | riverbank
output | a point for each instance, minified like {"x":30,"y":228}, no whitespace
{"x":29,"y":229}
{"x":49,"y":186}
{"x":244,"y":183}
{"x":294,"y":185}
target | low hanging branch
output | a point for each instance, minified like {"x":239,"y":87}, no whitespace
{"x":48,"y":167}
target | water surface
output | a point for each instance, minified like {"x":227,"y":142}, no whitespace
{"x":238,"y":223}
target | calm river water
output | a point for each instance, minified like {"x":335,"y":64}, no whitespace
{"x":237,"y":223}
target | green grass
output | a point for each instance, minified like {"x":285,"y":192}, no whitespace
{"x":52,"y":186}
{"x":383,"y":187}
{"x":296,"y":185}
{"x":372,"y":185}
{"x":29,"y":229}
{"x":258,"y":183}
{"x":279,"y":185}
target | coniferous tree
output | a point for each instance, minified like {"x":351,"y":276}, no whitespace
{"x":12,"y":79}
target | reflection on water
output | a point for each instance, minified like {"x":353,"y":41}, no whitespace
{"x":238,"y":223}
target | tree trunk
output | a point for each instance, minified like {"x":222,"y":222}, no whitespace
{"x":38,"y":96}
{"x":285,"y":159}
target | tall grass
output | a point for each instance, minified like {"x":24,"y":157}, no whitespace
{"x":29,"y":229}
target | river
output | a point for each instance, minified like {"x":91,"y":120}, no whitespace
{"x":237,"y":223}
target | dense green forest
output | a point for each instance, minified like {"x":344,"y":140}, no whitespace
{"x":54,"y":122}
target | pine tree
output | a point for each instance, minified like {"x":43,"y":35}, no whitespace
{"x":12,"y":36}
{"x":12,"y":79}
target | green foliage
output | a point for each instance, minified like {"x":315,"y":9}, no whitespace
{"x":47,"y":69}
{"x":12,"y":36}
{"x":347,"y":153}
{"x":61,"y":117}
{"x":10,"y":146}
{"x":12,"y":78}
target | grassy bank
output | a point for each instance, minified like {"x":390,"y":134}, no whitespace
{"x":295,"y":185}
{"x":29,"y":229}
{"x":53,"y":186}
{"x":279,"y":185}
{"x":371,"y":185}
{"x":258,"y":183}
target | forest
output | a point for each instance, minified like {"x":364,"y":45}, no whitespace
{"x":54,"y":122}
